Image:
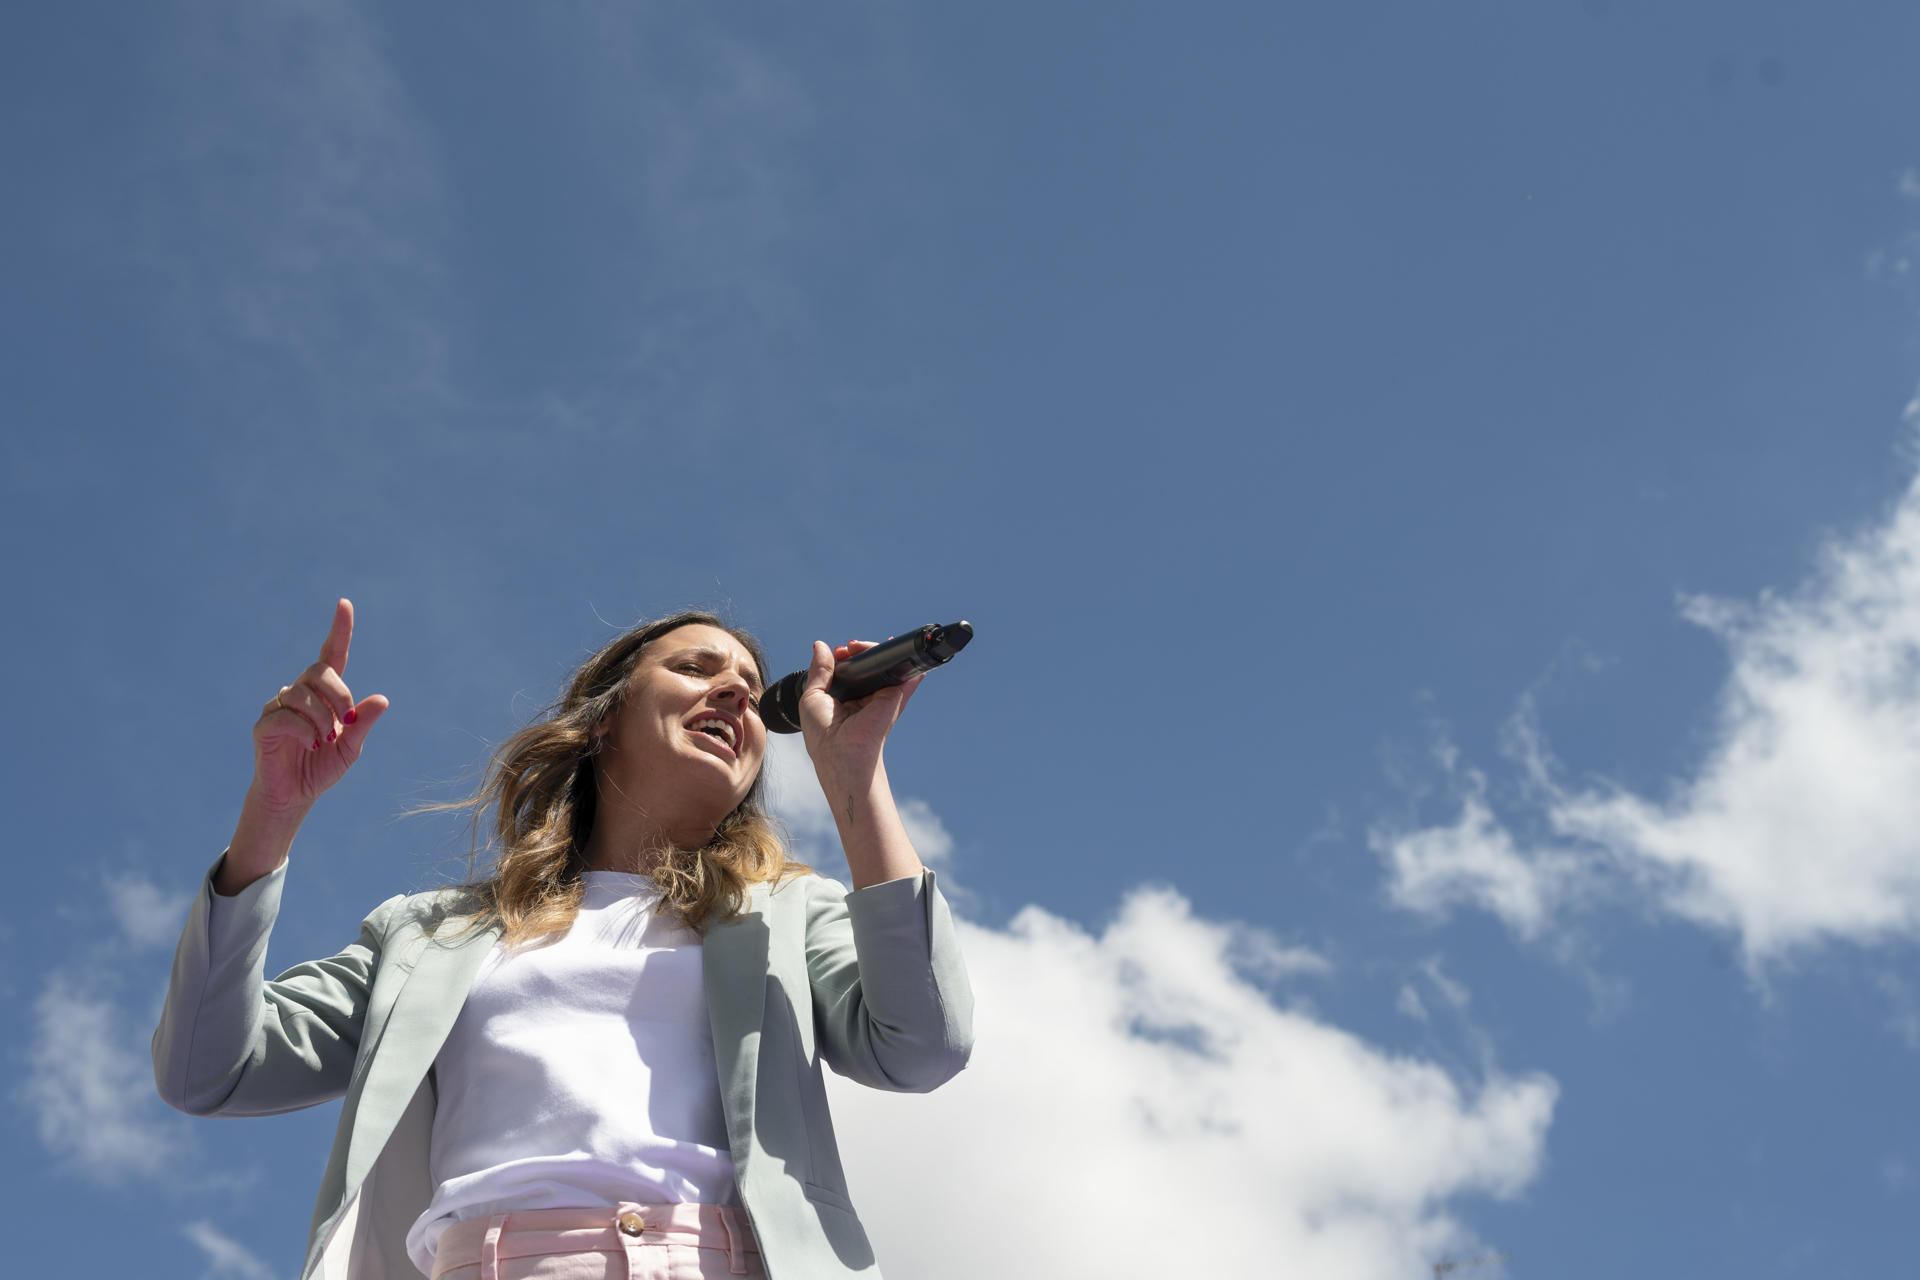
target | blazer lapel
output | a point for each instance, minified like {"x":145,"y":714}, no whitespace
{"x":733,"y":964}
{"x":410,"y":1037}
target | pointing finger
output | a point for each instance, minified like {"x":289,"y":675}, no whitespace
{"x":334,"y":652}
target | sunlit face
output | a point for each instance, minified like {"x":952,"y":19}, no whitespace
{"x":687,"y":728}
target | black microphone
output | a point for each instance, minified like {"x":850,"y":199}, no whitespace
{"x":885,"y":664}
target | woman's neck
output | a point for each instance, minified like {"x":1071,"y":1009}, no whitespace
{"x":625,"y":838}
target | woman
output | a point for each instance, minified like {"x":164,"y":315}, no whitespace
{"x":603,"y":1059}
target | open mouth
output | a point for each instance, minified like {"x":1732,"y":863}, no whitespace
{"x":718,"y":729}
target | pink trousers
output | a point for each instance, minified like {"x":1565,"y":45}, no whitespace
{"x":626,"y":1242}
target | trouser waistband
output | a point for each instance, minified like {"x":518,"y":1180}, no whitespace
{"x":608,"y":1229}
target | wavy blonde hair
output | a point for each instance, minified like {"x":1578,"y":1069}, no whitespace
{"x":541,"y":790}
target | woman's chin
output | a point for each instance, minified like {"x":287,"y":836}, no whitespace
{"x":716,"y":783}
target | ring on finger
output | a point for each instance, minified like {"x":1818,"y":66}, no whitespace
{"x":280,"y":701}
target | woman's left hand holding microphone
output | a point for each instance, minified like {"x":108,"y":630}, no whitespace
{"x":846,"y":742}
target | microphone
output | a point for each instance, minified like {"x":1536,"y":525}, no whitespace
{"x":885,"y":664}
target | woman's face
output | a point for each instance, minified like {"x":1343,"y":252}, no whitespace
{"x":686,"y":732}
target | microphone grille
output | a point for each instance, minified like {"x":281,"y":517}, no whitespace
{"x":780,"y":705}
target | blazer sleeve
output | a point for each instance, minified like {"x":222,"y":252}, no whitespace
{"x":230,"y":1042}
{"x":891,"y":1002}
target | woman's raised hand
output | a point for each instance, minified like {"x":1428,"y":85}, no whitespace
{"x":309,"y":734}
{"x":307,"y":737}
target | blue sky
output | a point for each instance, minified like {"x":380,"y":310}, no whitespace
{"x":1434,"y":485}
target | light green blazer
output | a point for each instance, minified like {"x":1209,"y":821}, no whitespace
{"x":869,"y":982}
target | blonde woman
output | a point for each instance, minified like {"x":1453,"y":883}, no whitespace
{"x":602,"y":1059}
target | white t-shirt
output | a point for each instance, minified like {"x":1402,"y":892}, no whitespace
{"x":580,"y":1073}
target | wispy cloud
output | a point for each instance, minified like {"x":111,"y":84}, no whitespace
{"x":1895,"y":261}
{"x":88,"y":1085}
{"x":314,"y":223}
{"x":1455,"y":993}
{"x":89,"y":1088}
{"x":1799,"y":826}
{"x":1903,"y":1015}
{"x":1475,"y":859}
{"x":227,"y":1258}
{"x":300,"y":231}
{"x":708,"y":127}
{"x":930,"y":837}
{"x":148,"y":916}
{"x":1125,"y":1069}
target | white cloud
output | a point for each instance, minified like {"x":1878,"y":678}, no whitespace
{"x":1139,"y":1086}
{"x":89,"y":1088}
{"x":929,"y":835}
{"x":1476,"y":860}
{"x":1799,"y":826}
{"x":148,"y":917}
{"x":226,"y":1257}
{"x":1122,"y":1072}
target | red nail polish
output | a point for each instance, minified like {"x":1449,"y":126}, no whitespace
{"x":329,"y":735}
{"x":315,"y":746}
{"x":352,"y":715}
